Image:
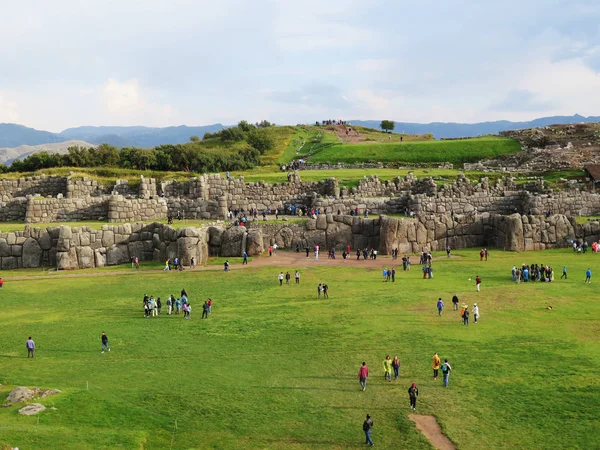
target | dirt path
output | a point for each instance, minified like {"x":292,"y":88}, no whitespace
{"x":430,"y":428}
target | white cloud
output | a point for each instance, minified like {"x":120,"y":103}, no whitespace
{"x":8,"y":110}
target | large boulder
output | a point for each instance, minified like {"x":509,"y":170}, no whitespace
{"x":187,"y":247}
{"x":338,"y":235}
{"x":45,"y":240}
{"x":67,"y":260}
{"x":20,"y":394}
{"x":32,"y":409}
{"x":388,"y":239}
{"x":32,"y":253}
{"x":5,"y":249}
{"x":232,"y":241}
{"x":115,"y":255}
{"x":514,"y":240}
{"x":255,"y":243}
{"x":100,"y":257}
{"x":284,"y":238}
{"x":85,"y":256}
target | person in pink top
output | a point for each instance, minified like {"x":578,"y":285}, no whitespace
{"x":363,"y":374}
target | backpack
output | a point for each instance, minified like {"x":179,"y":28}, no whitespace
{"x":365,"y":425}
{"x":445,"y":368}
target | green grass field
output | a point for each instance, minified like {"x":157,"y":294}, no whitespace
{"x":456,"y":152}
{"x":274,"y":367}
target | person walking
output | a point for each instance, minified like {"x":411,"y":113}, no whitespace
{"x":205,"y":310}
{"x":167,"y":267}
{"x":393,"y":274}
{"x":189,"y":311}
{"x":478,"y":282}
{"x":325,"y":291}
{"x":588,"y":276}
{"x":30,"y":345}
{"x":288,"y":277}
{"x":387,"y":368}
{"x":363,"y":374}
{"x":435,"y":365}
{"x":280,"y":277}
{"x":413,"y":393}
{"x":455,"y":302}
{"x":466,"y":316}
{"x":319,"y":290}
{"x":396,"y":367}
{"x":297,"y":277}
{"x":475,"y":312}
{"x":446,"y":369}
{"x":440,"y":306}
{"x":105,"y":345}
{"x":367,"y":427}
{"x":245,"y":261}
{"x":564,"y":274}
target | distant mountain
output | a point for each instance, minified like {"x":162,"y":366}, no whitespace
{"x":139,"y":136}
{"x":454,"y":130}
{"x":13,"y":135}
{"x":8,"y":155}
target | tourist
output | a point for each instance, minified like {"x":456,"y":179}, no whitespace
{"x":387,"y":368}
{"x":319,"y":290}
{"x":189,"y":311}
{"x":280,"y":278}
{"x":169,"y":305}
{"x":413,"y":393}
{"x":307,"y":251}
{"x":365,"y":253}
{"x":455,"y":302}
{"x":205,"y":310}
{"x":393,"y":274}
{"x":1,"y":283}
{"x":475,"y":312}
{"x":105,"y":345}
{"x":158,"y":305}
{"x":297,"y":277}
{"x":367,"y":427}
{"x":288,"y":277}
{"x":564,"y":274}
{"x":167,"y":265}
{"x":487,"y":254}
{"x":396,"y":367}
{"x":226,"y":266}
{"x":481,"y":255}
{"x":325,"y":291}
{"x":446,"y":369}
{"x":385,"y":275}
{"x":465,"y":316}
{"x":588,"y":275}
{"x":363,"y":374}
{"x":270,"y":250}
{"x":178,"y":306}
{"x":358,"y":253}
{"x":30,"y":345}
{"x":185,"y":308}
{"x":440,"y":306}
{"x":478,"y":283}
{"x":435,"y":365}
{"x":193,"y":262}
{"x":448,"y":252}
{"x":245,"y":256}
{"x":209,"y":302}
{"x":137,"y":263}
{"x":316,"y":252}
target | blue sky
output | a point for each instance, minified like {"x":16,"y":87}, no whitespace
{"x":153,"y":62}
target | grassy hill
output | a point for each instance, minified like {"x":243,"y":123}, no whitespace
{"x":456,"y":151}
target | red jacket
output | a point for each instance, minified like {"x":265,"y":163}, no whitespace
{"x":363,"y":372}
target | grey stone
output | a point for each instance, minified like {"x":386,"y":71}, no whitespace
{"x":32,"y":253}
{"x":32,"y":409}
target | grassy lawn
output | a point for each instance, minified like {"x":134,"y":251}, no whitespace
{"x":274,"y":367}
{"x":456,"y":152}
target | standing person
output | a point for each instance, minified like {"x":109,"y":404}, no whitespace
{"x":588,"y":276}
{"x":307,"y":251}
{"x":30,"y":345}
{"x":167,"y":265}
{"x":358,"y":254}
{"x":137,"y":263}
{"x":363,"y":374}
{"x":478,"y":282}
{"x":387,"y":368}
{"x":440,"y":306}
{"x":245,"y":261}
{"x":564,"y":274}
{"x":319,"y":290}
{"x":1,"y":283}
{"x":297,"y":277}
{"x":367,"y":426}
{"x":105,"y":345}
{"x":158,"y":305}
{"x":325,"y":291}
{"x":446,"y":369}
{"x":393,"y":274}
{"x":270,"y":250}
{"x":466,"y":316}
{"x":169,"y":305}
{"x":316,"y":252}
{"x":205,"y":310}
{"x":189,"y":311}
{"x":455,"y":302}
{"x":209,"y":301}
{"x":280,"y":278}
{"x":475,"y":312}
{"x":288,"y":277}
{"x":396,"y":367}
{"x":193,"y":262}
{"x":448,"y":252}
{"x":435,"y":365}
{"x":413,"y":393}
{"x":487,"y":254}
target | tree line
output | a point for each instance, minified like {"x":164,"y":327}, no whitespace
{"x":193,"y":156}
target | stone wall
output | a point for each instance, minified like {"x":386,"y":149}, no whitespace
{"x":42,"y":185}
{"x":122,"y":209}
{"x":66,"y":209}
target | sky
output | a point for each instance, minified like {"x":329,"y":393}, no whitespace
{"x":159,"y":63}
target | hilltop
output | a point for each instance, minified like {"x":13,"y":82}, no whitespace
{"x":8,"y":155}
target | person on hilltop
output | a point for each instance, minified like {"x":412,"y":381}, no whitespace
{"x":435,"y":364}
{"x":363,"y":374}
{"x":30,"y":345}
{"x":387,"y":368}
{"x":396,"y":367}
{"x":413,"y":393}
{"x":440,"y":306}
{"x":105,"y":345}
{"x":367,"y":427}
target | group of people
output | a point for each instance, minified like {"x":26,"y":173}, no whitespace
{"x":464,"y":312}
{"x":153,"y":307}
{"x":389,"y":274}
{"x":534,"y":272}
{"x":366,"y":254}
{"x":288,"y":278}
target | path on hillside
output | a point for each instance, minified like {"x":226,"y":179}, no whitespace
{"x":431,"y":429}
{"x":281,"y":260}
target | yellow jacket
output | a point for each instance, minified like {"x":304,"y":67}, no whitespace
{"x":387,"y":365}
{"x":435,"y":362}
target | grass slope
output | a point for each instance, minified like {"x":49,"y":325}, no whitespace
{"x":274,"y":367}
{"x":456,"y":152}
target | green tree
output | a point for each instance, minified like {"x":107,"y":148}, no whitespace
{"x":194,"y":139}
{"x":232,"y":134}
{"x":261,"y":140}
{"x":387,"y":125}
{"x":108,"y":155}
{"x":245,"y":126}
